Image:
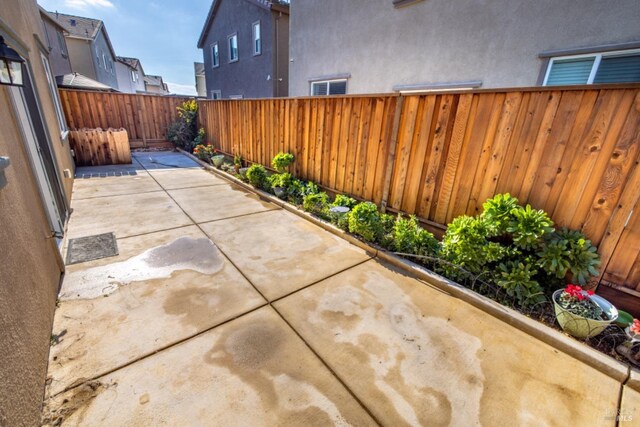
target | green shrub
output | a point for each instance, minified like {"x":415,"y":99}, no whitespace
{"x":364,"y":220}
{"x":344,"y":200}
{"x":465,"y":241}
{"x":409,"y":237}
{"x":282,"y":161}
{"x":257,"y":176}
{"x":497,"y":212}
{"x":316,"y":203}
{"x":569,"y":250}
{"x":516,"y":278}
{"x":281,"y":180}
{"x":528,"y":226}
{"x":182,"y":133}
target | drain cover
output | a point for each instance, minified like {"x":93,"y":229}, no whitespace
{"x":90,"y":248}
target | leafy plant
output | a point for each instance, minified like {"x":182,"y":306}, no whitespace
{"x":283,"y":180}
{"x":409,"y":237}
{"x":568,"y":250}
{"x":182,"y":133}
{"x":344,"y":200}
{"x":282,"y":161}
{"x":203,"y":152}
{"x":465,"y":241}
{"x":498,"y":212}
{"x":516,"y":278}
{"x":528,"y":225}
{"x":237,"y":160}
{"x":257,"y":176}
{"x":316,"y":203}
{"x":199,"y":139}
{"x":310,"y":188}
{"x":364,"y":220}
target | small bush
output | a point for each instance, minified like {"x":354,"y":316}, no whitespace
{"x":497,"y":213}
{"x":364,"y":220}
{"x":409,"y":237}
{"x":257,"y":176}
{"x":282,"y":161}
{"x":281,"y":180}
{"x":517,"y":280}
{"x":203,"y":152}
{"x":182,"y":133}
{"x":316,"y":203}
{"x":528,"y":226}
{"x":569,"y":250}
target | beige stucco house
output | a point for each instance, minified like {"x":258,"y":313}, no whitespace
{"x":34,"y":205}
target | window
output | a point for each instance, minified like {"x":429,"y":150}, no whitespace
{"x":104,"y":61}
{"x":53,"y":88}
{"x":329,"y":87}
{"x":61,"y":43}
{"x":233,"y":48}
{"x":236,"y":96}
{"x":216,"y":94}
{"x":609,"y":67}
{"x":215,"y":55}
{"x":257,"y":40}
{"x":134,"y":76}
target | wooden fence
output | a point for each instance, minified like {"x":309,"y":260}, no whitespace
{"x":145,"y":117}
{"x":572,"y":151}
{"x":95,"y":147}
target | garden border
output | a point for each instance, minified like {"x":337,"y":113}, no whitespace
{"x":580,"y":351}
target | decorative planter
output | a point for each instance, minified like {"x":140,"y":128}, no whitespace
{"x":217,"y":161}
{"x":581,"y":327}
{"x":280,"y":192}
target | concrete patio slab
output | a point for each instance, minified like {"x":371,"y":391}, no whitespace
{"x":205,"y":204}
{"x":125,"y":215}
{"x":416,"y":356}
{"x":140,"y":182}
{"x":172,"y":179}
{"x":253,"y":371}
{"x":629,"y":413}
{"x":164,"y":160}
{"x":162,"y":288}
{"x":108,"y":170}
{"x":280,"y":252}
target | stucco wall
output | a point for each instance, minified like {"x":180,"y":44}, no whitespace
{"x":82,"y":60}
{"x":251,"y":76}
{"x":123,"y":73}
{"x":60,"y":64}
{"x":436,"y":41}
{"x":30,"y":267}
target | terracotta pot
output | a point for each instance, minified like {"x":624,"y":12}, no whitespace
{"x":581,"y":327}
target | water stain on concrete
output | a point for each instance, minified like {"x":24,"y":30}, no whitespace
{"x":195,"y":305}
{"x":184,"y":253}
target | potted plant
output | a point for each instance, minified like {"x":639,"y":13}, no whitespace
{"x":203,"y":152}
{"x":633,"y":330}
{"x":582,"y":313}
{"x":218,"y":159}
{"x":237,"y":162}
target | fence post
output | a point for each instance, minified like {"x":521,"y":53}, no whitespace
{"x":392,"y":154}
{"x":142,"y":114}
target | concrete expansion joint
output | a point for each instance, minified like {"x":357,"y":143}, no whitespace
{"x":601,"y":362}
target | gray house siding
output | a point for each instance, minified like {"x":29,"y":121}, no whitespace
{"x":252,"y":76}
{"x":104,"y":75}
{"x":441,"y":41}
{"x":58,"y":51}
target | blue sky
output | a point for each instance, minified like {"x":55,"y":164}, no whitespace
{"x":162,"y":33}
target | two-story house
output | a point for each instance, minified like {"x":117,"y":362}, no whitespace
{"x":130,"y":75}
{"x":155,"y":85}
{"x":245,"y":47}
{"x":378,"y":46}
{"x":89,"y":48}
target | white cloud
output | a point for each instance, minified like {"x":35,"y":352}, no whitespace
{"x":178,"y":89}
{"x":87,"y":4}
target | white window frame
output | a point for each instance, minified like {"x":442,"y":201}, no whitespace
{"x":134,"y":76}
{"x":236,"y":96}
{"x":596,"y":63}
{"x":53,"y":88}
{"x":328,"y":82}
{"x":255,"y":39}
{"x":215,"y":55}
{"x":62,"y":43}
{"x":104,"y":60}
{"x":229,"y":38}
{"x":216,"y":94}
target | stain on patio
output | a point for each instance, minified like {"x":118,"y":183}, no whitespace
{"x":223,"y":309}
